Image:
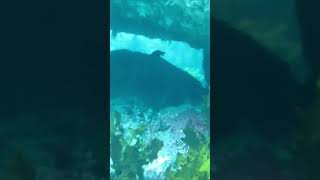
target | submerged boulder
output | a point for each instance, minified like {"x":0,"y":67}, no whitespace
{"x":151,"y":79}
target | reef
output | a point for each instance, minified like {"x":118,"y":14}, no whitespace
{"x":159,"y":140}
{"x":182,"y":20}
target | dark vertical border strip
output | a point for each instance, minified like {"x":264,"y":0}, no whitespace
{"x":212,"y":98}
{"x":107,"y":60}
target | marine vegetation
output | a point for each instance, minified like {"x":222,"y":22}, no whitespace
{"x":132,"y":159}
{"x":172,"y":19}
{"x":128,"y":158}
{"x":149,"y":144}
{"x":205,"y":108}
{"x":195,"y":165}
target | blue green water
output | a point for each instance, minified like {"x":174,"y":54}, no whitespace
{"x":160,"y":107}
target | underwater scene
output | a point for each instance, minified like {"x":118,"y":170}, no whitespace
{"x":53,"y":88}
{"x":265,"y":73}
{"x":159,"y":89}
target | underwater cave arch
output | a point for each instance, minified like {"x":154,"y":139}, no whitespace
{"x":178,"y":53}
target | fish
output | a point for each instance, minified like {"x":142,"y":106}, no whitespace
{"x":157,"y":53}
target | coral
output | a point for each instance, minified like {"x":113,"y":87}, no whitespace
{"x":155,"y":146}
{"x":205,"y":107}
{"x":130,"y":164}
{"x":116,"y":149}
{"x":160,"y":138}
{"x":196,"y":165}
{"x":191,"y":138}
{"x":112,"y":124}
{"x":132,"y":160}
{"x":127,"y":157}
{"x":115,"y":120}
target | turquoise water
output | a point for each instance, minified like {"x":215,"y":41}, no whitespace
{"x":160,"y":117}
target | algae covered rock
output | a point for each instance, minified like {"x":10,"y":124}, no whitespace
{"x":187,"y":20}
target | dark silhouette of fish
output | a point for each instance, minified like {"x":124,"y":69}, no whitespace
{"x":157,"y":53}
